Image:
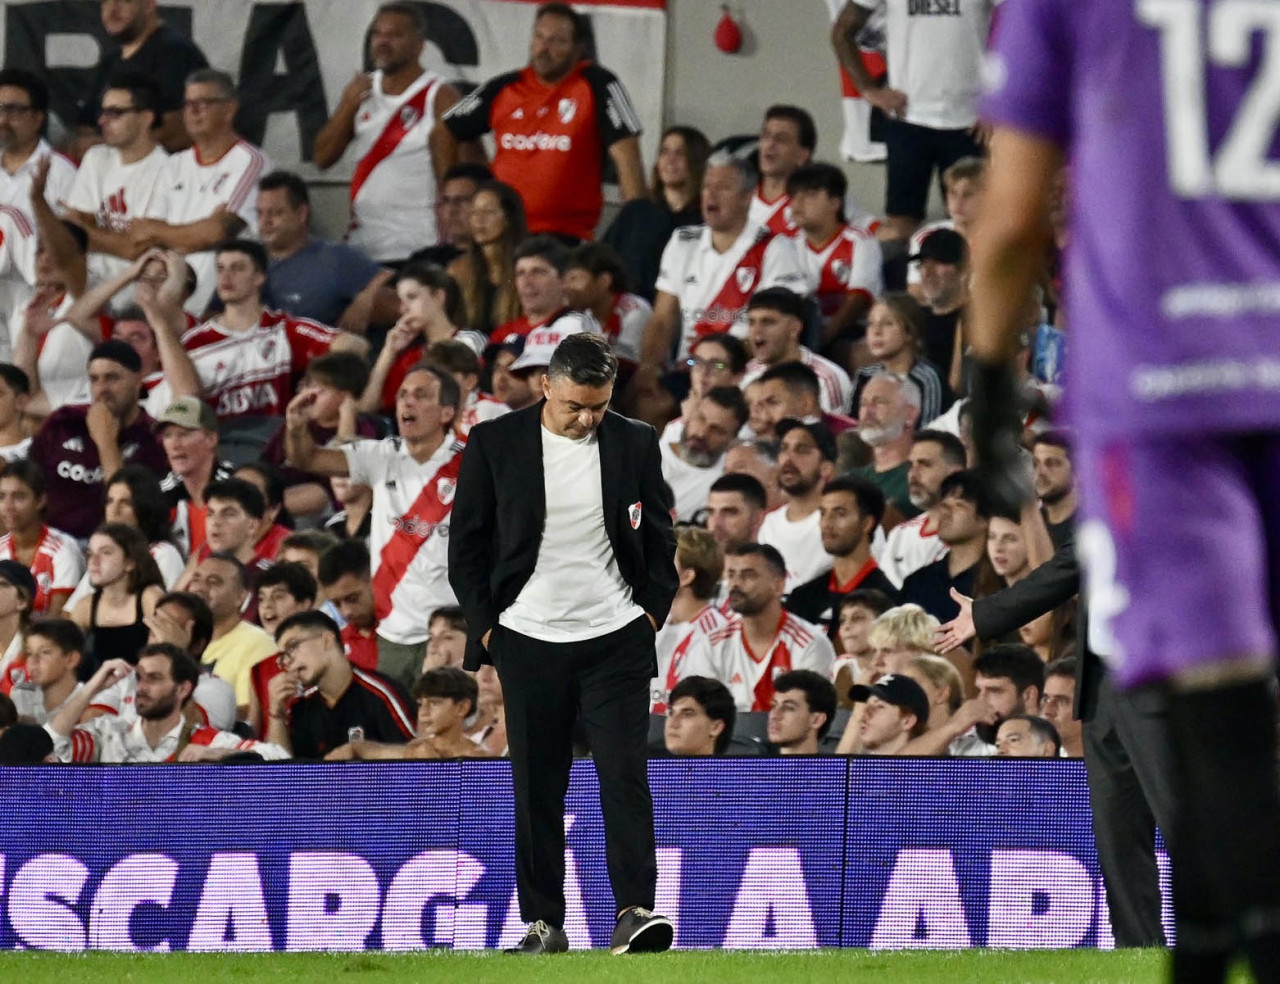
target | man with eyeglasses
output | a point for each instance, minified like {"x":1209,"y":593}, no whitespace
{"x":208,"y":193}
{"x":118,"y":177}
{"x":321,"y":702}
{"x":145,"y":44}
{"x":24,"y":111}
{"x":1056,"y":705}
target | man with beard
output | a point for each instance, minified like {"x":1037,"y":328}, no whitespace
{"x":23,"y":148}
{"x":339,"y":703}
{"x":1009,"y":679}
{"x":1055,"y":484}
{"x":755,"y":574}
{"x":789,"y":389}
{"x":145,"y":44}
{"x":962,"y":528}
{"x":915,"y":543}
{"x":888,"y":412}
{"x":162,"y":731}
{"x":390,"y":113}
{"x":849,"y":513}
{"x":806,"y":462}
{"x":78,"y":445}
{"x":692,"y":464}
{"x":736,"y":506}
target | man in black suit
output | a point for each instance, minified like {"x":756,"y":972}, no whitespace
{"x":562,"y":555}
{"x":1127,"y":752}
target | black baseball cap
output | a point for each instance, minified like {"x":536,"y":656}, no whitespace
{"x":117,"y":351}
{"x":17,"y":574}
{"x":898,"y":690}
{"x":819,"y":431}
{"x":944,"y":246}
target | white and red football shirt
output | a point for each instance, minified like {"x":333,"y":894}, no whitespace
{"x":775,"y":215}
{"x":252,"y":373}
{"x":57,"y":567}
{"x":114,"y":193}
{"x":910,"y":546}
{"x":713,"y":288}
{"x":409,"y":532}
{"x":393,"y":187}
{"x":835,"y":388}
{"x":15,"y":188}
{"x":17,"y":273}
{"x":479,"y":408}
{"x":723,"y":654}
{"x":625,"y":327}
{"x":672,"y":644}
{"x":190,"y":189}
{"x":850,"y":263}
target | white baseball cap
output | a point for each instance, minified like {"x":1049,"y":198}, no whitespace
{"x":540,"y":343}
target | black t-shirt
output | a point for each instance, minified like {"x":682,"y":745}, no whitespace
{"x":940,"y":339}
{"x":640,"y":232}
{"x":373,"y":708}
{"x":167,"y":57}
{"x":818,"y":601}
{"x":930,"y":588}
{"x":1060,"y":533}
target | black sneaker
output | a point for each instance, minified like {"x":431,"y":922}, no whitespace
{"x":541,"y":938}
{"x":640,"y":931}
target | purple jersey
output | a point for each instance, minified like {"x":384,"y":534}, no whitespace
{"x":1168,"y":113}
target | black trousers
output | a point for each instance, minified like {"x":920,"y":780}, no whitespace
{"x":1129,"y":760}
{"x":546,"y":686}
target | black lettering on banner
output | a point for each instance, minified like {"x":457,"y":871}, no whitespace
{"x":27,"y":25}
{"x":280,"y":32}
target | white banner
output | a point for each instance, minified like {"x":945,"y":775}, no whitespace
{"x":292,"y":59}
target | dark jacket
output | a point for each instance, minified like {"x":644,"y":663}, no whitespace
{"x":499,"y":511}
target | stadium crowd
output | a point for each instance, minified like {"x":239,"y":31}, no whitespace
{"x":231,"y":447}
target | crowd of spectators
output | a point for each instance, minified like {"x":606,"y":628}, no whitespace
{"x":231,"y":447}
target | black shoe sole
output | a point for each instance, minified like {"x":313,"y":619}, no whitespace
{"x":651,"y":939}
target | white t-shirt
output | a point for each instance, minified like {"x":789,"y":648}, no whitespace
{"x":713,"y":288}
{"x":723,"y":655}
{"x":910,"y":546}
{"x":393,"y":212}
{"x":800,"y":544}
{"x":62,"y":360}
{"x":835,"y":388}
{"x":189,"y":190}
{"x":15,"y":189}
{"x":17,"y":273}
{"x":409,"y":531}
{"x":576,"y":591}
{"x":16,"y":452}
{"x":115,"y":194}
{"x":690,"y":483}
{"x":934,"y":52}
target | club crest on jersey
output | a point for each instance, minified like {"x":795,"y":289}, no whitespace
{"x":408,"y":116}
{"x":633,"y":514}
{"x":567,"y":109}
{"x":355,"y":734}
{"x":445,"y":490}
{"x":841,"y":269}
{"x":746,"y":277}
{"x":267,"y":347}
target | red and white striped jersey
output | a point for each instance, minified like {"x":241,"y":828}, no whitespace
{"x":252,"y":373}
{"x":190,"y":189}
{"x":672,"y":645}
{"x":850,"y":263}
{"x":625,"y":327}
{"x":775,"y":215}
{"x":910,"y":546}
{"x":835,"y":388}
{"x":724,"y":655}
{"x":57,"y":568}
{"x":409,"y":532}
{"x":115,"y":740}
{"x":480,"y":407}
{"x":393,"y":188}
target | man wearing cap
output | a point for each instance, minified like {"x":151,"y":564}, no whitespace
{"x":540,"y":343}
{"x":806,"y":462}
{"x":188,"y":432}
{"x":78,"y":447}
{"x":944,"y":289}
{"x":775,"y":320}
{"x":897,"y":710}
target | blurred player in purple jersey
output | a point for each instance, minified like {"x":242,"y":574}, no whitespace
{"x":1166,"y":112}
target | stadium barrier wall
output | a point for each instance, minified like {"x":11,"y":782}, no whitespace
{"x":752,"y":853}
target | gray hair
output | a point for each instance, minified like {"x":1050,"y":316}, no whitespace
{"x":748,"y":177}
{"x":216,"y":77}
{"x":584,"y":358}
{"x":907,"y":386}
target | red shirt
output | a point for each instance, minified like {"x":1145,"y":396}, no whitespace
{"x":550,"y":140}
{"x":361,"y":647}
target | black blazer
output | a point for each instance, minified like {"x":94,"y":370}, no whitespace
{"x":500,"y":508}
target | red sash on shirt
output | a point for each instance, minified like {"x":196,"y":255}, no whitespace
{"x":402,"y":121}
{"x":736,"y":290}
{"x":413,"y":529}
{"x":779,"y":662}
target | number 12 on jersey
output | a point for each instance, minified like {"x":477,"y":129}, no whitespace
{"x":1195,"y":34}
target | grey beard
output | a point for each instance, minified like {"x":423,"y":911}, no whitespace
{"x":699,"y":459}
{"x":879,"y":436}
